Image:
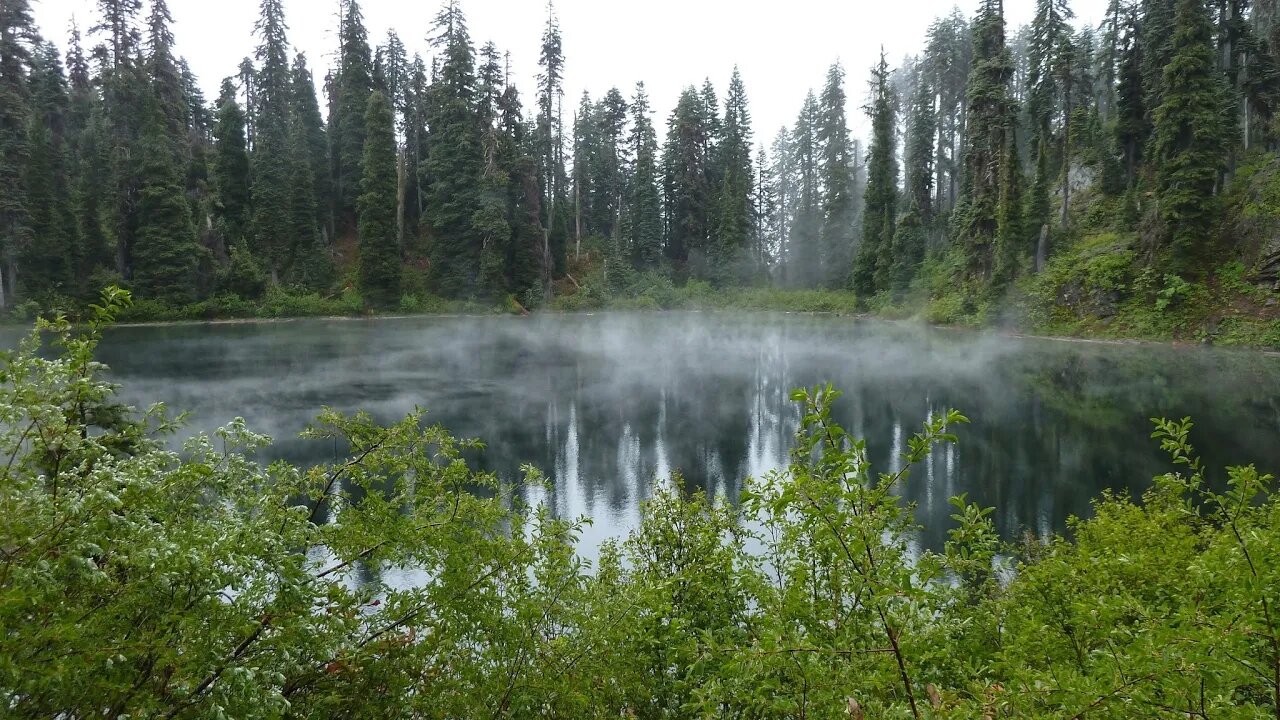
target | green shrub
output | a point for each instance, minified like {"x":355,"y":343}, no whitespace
{"x":243,"y":274}
{"x":423,"y":305}
{"x":27,"y":310}
{"x":151,"y":310}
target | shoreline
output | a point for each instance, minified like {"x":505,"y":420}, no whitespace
{"x":1007,"y":332}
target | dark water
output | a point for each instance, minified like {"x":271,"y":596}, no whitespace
{"x":604,"y":404}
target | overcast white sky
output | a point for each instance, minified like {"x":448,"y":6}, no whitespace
{"x":782,"y":47}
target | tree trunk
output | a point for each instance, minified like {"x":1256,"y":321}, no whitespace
{"x":1042,"y":248}
{"x":1066,"y":164}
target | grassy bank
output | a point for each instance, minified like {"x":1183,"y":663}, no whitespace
{"x":1092,"y":288}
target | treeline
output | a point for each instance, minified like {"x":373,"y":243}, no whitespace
{"x":426,"y":173}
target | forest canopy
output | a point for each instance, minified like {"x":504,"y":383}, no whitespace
{"x":991,"y":153}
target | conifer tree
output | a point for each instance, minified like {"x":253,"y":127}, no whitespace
{"x":379,"y":246}
{"x":165,"y":252}
{"x":272,"y":80}
{"x":524,"y":271}
{"x":1132,"y":125}
{"x":271,"y":189}
{"x":415,"y":131}
{"x":231,"y":183}
{"x":1155,"y":38}
{"x":124,"y":92}
{"x":919,"y":154}
{"x":687,"y":187}
{"x":735,"y":221}
{"x":644,"y":212}
{"x":310,"y":265}
{"x":351,"y":99}
{"x":949,"y":57}
{"x":838,"y":212}
{"x":609,"y":184}
{"x":880,"y":204}
{"x":551,"y":153}
{"x":308,"y":125}
{"x":804,"y":257}
{"x":118,"y":23}
{"x":783,"y":172}
{"x":991,"y":116}
{"x":163,"y":70}
{"x":51,"y":256}
{"x":391,"y":71}
{"x":586,"y":152}
{"x":491,"y":221}
{"x":766,"y":215}
{"x":1047,"y":51}
{"x":1191,"y":134}
{"x":90,"y":165}
{"x":453,"y":167}
{"x":15,"y":230}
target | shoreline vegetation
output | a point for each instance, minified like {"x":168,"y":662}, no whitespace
{"x":1214,"y":319}
{"x":820,"y":607}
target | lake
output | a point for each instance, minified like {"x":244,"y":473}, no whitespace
{"x":605,"y":404}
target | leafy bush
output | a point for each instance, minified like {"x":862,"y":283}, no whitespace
{"x":27,"y":310}
{"x":415,"y":304}
{"x":281,"y":303}
{"x":243,"y":275}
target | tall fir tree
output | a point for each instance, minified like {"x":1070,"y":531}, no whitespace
{"x":838,"y":211}
{"x":50,"y":258}
{"x":415,"y":150}
{"x":586,"y":153}
{"x":164,"y":72}
{"x":766,"y":216}
{"x":309,"y":124}
{"x":452,"y":171}
{"x":911,"y":236}
{"x":88,"y":149}
{"x":1132,"y":122}
{"x":949,"y":58}
{"x":379,"y":279}
{"x":804,"y":257}
{"x":124,"y":91}
{"x":270,"y":235}
{"x":783,"y":173}
{"x":491,"y":221}
{"x":517,"y":150}
{"x":165,"y":252}
{"x":609,"y":184}
{"x":918,"y":155}
{"x":1191,"y":135}
{"x":644,"y":209}
{"x":991,"y":119}
{"x":735,"y":222}
{"x":551,"y":148}
{"x":231,"y":183}
{"x":351,"y":99}
{"x":880,"y":203}
{"x":15,"y":230}
{"x":687,"y":186}
{"x":1048,"y":49}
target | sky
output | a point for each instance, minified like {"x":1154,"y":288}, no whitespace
{"x":782,"y":48}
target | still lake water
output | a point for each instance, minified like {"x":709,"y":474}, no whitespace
{"x":605,"y":404}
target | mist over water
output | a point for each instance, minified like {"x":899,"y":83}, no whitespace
{"x":606,"y":404}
